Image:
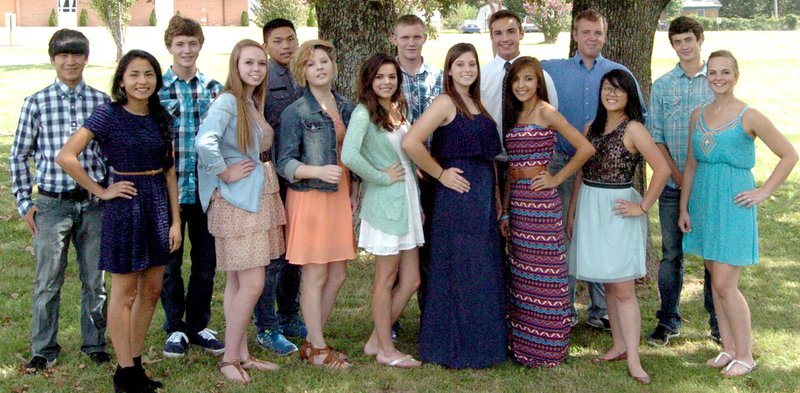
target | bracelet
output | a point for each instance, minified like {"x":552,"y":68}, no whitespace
{"x":641,"y":207}
{"x":504,"y":217}
{"x":440,"y":174}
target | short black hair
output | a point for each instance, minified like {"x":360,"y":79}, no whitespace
{"x":684,"y":24}
{"x":275,"y":24}
{"x":66,"y":41}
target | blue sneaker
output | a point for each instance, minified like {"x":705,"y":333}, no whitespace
{"x":207,"y":339}
{"x":273,"y":341}
{"x":296,"y":328}
{"x":176,"y":345}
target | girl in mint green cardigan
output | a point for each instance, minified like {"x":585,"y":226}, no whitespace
{"x":391,"y":217}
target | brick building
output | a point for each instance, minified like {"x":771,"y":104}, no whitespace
{"x":704,"y":8}
{"x":207,"y":12}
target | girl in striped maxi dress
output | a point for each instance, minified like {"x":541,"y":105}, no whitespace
{"x":538,"y":290}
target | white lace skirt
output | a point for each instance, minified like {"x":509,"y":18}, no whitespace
{"x":378,"y":242}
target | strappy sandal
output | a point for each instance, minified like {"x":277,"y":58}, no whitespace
{"x":331,"y":361}
{"x":258,"y":364}
{"x":718,"y":361}
{"x":237,"y":365}
{"x":305,"y":349}
{"x":339,"y":354}
{"x":748,"y":368}
{"x":405,"y":361}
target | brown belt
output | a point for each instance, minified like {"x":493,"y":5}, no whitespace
{"x":528,"y":172}
{"x":143,"y":173}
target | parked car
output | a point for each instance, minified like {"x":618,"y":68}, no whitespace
{"x":530,"y":27}
{"x":470,"y":26}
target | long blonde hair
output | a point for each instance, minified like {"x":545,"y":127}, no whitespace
{"x":233,"y":85}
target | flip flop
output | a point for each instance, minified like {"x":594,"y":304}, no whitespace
{"x":402,"y":362}
{"x":748,"y":367}
{"x":717,"y":363}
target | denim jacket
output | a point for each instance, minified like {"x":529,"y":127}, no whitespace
{"x":308,"y":137}
{"x":217,"y":148}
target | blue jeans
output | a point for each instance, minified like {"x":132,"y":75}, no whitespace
{"x":59,"y":222}
{"x":195,"y":304}
{"x":597,"y":294}
{"x":281,"y":284}
{"x":670,"y":271}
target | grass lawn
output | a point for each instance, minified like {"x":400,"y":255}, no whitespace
{"x":769,"y":80}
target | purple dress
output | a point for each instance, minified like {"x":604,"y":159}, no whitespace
{"x":135,"y":232}
{"x":463,"y":323}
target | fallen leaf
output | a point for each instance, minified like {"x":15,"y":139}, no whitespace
{"x":29,"y":249}
{"x":14,"y":295}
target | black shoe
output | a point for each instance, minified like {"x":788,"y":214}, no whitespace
{"x":661,"y":335}
{"x":599,"y":323}
{"x":128,"y":380}
{"x":100,"y":357}
{"x":39,"y":363}
{"x":152,"y":383}
{"x":714,"y":336}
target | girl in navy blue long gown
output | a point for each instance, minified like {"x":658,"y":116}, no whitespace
{"x":463,"y":322}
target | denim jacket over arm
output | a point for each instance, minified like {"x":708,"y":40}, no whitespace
{"x":308,"y":137}
{"x":217,"y":148}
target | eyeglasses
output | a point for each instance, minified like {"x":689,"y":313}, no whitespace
{"x":609,"y":89}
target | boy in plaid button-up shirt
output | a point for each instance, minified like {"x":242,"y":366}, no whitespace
{"x":186,"y":95}
{"x":63,"y":211}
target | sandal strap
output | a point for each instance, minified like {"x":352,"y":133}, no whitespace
{"x":305,"y":349}
{"x":720,"y":355}
{"x":748,"y":367}
{"x":236,"y":363}
{"x":333,"y":362}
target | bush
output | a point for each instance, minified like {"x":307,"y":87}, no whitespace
{"x":759,"y":23}
{"x":52,"y":21}
{"x":552,"y":16}
{"x":464,"y":11}
{"x":790,"y":22}
{"x":153,"y":20}
{"x":245,"y":20}
{"x":83,"y":19}
{"x":311,"y":21}
{"x":293,"y":10}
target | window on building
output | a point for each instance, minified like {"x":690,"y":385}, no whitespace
{"x":701,"y":12}
{"x":67,"y":5}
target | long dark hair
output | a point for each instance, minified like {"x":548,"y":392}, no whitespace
{"x":366,"y":94}
{"x":633,"y":109}
{"x":157,"y":112}
{"x":474,"y":89}
{"x":511,"y":105}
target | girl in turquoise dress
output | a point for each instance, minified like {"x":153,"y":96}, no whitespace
{"x":719,"y":198}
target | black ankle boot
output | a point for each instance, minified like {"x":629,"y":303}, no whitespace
{"x":152,"y":383}
{"x":126,"y":380}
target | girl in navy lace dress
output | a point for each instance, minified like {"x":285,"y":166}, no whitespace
{"x":141,"y":218}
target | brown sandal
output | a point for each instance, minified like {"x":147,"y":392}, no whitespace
{"x":342,"y":355}
{"x":305,"y":349}
{"x":258,"y":364}
{"x":236,"y":365}
{"x":331,"y":361}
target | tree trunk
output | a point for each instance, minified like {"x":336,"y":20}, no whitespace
{"x":358,"y":29}
{"x":631,"y":27}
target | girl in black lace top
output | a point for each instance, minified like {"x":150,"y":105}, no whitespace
{"x":608,"y":223}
